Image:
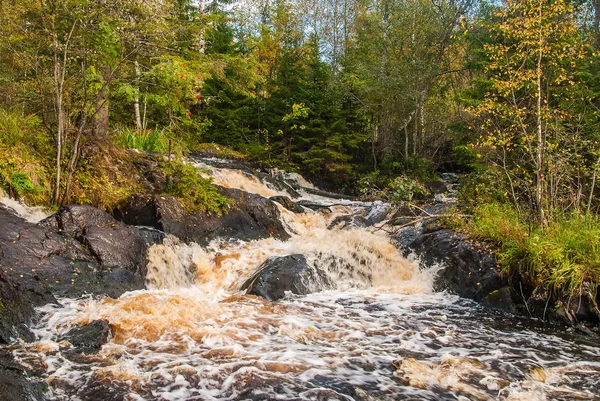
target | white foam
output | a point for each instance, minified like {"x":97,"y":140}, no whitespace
{"x":32,"y":214}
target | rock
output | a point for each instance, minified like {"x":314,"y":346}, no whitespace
{"x":74,"y":219}
{"x":287,"y":273}
{"x":468,"y":270}
{"x":407,"y":236}
{"x":406,"y":211}
{"x":327,"y":194}
{"x":89,"y":338}
{"x":400,"y":221}
{"x":377,"y":213}
{"x":287,"y":203}
{"x":251,"y":217}
{"x":38,"y":263}
{"x":17,"y":382}
{"x":436,"y":187}
{"x":15,"y":312}
{"x":112,"y":243}
{"x":348,"y":221}
{"x":500,"y":300}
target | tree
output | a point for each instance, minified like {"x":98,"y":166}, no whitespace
{"x":531,"y":114}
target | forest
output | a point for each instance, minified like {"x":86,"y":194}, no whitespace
{"x":369,"y":97}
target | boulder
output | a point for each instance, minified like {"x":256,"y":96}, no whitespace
{"x":313,"y":205}
{"x":500,"y":300}
{"x":40,"y":262}
{"x":112,"y":243}
{"x":287,"y":203}
{"x":349,"y":221}
{"x":376,"y":213}
{"x":467,"y":269}
{"x":436,"y":187}
{"x":287,"y":273}
{"x":19,"y":383}
{"x":251,"y":217}
{"x":89,"y":338}
{"x":15,"y":312}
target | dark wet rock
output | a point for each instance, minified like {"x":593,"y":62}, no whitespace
{"x":287,"y":273}
{"x":376,"y":213}
{"x":468,"y":269}
{"x":404,"y":215}
{"x":401,"y":221}
{"x":436,"y":187}
{"x":74,"y":219}
{"x":250,"y":217}
{"x":313,"y":205}
{"x":349,"y":221}
{"x":152,"y":235}
{"x":287,"y":203}
{"x":327,"y":194}
{"x":543,"y":304}
{"x":92,"y":255}
{"x":89,"y":338}
{"x":406,"y":211}
{"x":501,"y":300}
{"x":434,"y":210}
{"x":407,"y":236}
{"x":117,"y":246}
{"x":15,"y":312}
{"x":111,"y":242}
{"x":17,"y":382}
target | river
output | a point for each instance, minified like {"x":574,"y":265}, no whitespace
{"x":381,"y":334}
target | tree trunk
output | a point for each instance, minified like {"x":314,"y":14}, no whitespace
{"x":60,"y":128}
{"x":136,"y":100}
{"x":540,"y":132}
{"x":596,"y":4}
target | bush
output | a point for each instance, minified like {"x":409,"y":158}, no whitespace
{"x":563,"y":257}
{"x":398,"y":189}
{"x":215,"y":150}
{"x":23,"y":152}
{"x":194,"y":191}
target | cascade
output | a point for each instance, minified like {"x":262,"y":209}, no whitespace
{"x":379,"y":333}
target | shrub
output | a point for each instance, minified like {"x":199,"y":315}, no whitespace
{"x":563,"y":257}
{"x":194,"y":191}
{"x":398,"y":189}
{"x":22,"y":155}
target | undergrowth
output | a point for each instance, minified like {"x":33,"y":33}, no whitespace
{"x":564,"y":257}
{"x":194,"y":192}
{"x":397,"y":189}
{"x":155,"y":140}
{"x":24,"y":149}
{"x":216,"y":150}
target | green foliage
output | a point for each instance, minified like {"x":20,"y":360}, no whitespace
{"x":214,"y":150}
{"x":22,"y":171}
{"x":98,"y":185}
{"x":404,"y":188}
{"x":564,"y":257}
{"x":397,"y":190}
{"x":481,"y":187}
{"x":147,"y":140}
{"x":194,"y":191}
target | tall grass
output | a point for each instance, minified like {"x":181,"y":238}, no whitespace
{"x":147,"y":140}
{"x":563,"y":257}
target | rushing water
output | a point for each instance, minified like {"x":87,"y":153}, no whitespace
{"x":381,"y":334}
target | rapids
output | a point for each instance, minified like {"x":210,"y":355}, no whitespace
{"x":381,"y":334}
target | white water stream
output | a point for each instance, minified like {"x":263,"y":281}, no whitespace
{"x":381,"y":334}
